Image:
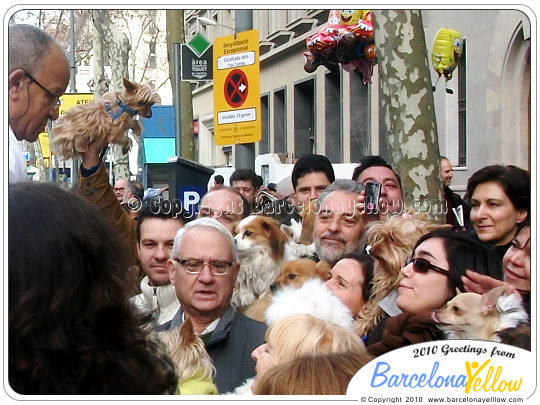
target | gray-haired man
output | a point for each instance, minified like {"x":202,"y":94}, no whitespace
{"x":340,"y":223}
{"x":203,"y":268}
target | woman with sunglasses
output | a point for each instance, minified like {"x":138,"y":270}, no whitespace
{"x":429,"y":279}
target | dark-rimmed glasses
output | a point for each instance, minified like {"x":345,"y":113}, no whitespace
{"x":57,"y":101}
{"x":423,"y":266}
{"x":196,"y":266}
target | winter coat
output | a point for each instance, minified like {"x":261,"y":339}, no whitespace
{"x":401,"y":330}
{"x":161,"y":300}
{"x":95,"y":187}
{"x":230,"y":346}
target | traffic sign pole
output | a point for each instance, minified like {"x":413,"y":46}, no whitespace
{"x":177,"y":95}
{"x":244,"y":154}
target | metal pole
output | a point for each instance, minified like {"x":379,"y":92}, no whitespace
{"x":244,"y":154}
{"x":72,"y":86}
{"x":177,"y":97}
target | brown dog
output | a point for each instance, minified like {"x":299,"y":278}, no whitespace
{"x":301,"y":233}
{"x":296,"y":272}
{"x":262,"y":248}
{"x":293,"y":273}
{"x":106,"y":118}
{"x":390,"y":242}
{"x":191,"y":359}
{"x":308,"y":215}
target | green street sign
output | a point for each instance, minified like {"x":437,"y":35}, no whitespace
{"x":195,"y":67}
{"x":199,"y":44}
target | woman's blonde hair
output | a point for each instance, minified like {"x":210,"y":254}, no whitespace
{"x":318,"y":374}
{"x":303,"y":334}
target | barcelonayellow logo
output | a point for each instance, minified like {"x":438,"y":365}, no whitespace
{"x":450,"y":367}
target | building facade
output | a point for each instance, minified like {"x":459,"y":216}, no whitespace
{"x":485,"y":121}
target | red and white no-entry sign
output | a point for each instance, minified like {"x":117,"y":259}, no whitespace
{"x":236,"y":88}
{"x":237,"y":101}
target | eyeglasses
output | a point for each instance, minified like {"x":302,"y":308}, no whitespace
{"x":423,"y":266}
{"x":196,"y":266}
{"x":57,"y":101}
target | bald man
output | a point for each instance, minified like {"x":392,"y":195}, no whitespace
{"x":38,"y":75}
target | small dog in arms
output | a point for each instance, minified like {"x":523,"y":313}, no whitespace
{"x":104,"y":118}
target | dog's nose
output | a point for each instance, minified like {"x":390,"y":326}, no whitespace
{"x":273,"y":288}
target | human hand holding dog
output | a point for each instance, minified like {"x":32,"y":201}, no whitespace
{"x":91,"y":158}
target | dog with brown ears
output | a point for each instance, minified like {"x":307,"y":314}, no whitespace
{"x":301,"y":232}
{"x":262,"y":248}
{"x":294,"y":274}
{"x":104,"y":118}
{"x":390,"y":241}
{"x":192,"y":361}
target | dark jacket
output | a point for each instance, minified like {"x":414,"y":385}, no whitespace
{"x":500,"y":250}
{"x":401,"y":330}
{"x":230,"y":346}
{"x":454,"y":200}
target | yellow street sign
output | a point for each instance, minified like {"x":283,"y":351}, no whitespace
{"x":43,"y":139}
{"x":73,"y":99}
{"x":237,"y":102}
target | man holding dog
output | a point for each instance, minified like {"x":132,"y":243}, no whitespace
{"x":38,"y":75}
{"x":203,"y":268}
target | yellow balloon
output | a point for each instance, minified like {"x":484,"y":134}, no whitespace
{"x":447,"y":50}
{"x":351,"y":17}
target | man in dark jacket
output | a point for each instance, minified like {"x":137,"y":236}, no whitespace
{"x":203,"y":268}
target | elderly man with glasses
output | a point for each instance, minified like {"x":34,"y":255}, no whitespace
{"x":38,"y":75}
{"x":203,"y":267}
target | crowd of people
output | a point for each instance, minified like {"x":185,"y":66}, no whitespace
{"x":100,"y":281}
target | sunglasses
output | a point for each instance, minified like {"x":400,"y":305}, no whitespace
{"x":423,"y":266}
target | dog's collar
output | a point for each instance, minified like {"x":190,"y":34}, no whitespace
{"x":123,"y":107}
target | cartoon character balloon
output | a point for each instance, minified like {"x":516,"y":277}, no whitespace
{"x":346,"y":40}
{"x":446,"y":53}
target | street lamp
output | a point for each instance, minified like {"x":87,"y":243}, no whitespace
{"x":210,"y":21}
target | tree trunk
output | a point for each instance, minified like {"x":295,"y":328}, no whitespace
{"x":118,"y":51}
{"x":407,"y":108}
{"x":175,"y":34}
{"x":101,"y":85}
